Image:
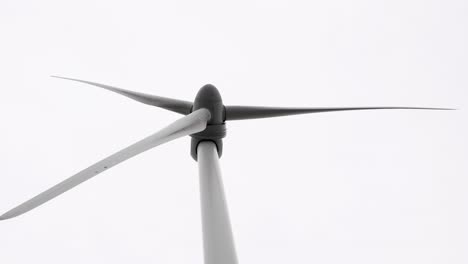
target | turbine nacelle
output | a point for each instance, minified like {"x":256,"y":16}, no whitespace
{"x":208,"y":97}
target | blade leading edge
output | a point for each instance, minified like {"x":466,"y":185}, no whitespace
{"x":252,"y":112}
{"x":174,"y":105}
{"x":193,"y":123}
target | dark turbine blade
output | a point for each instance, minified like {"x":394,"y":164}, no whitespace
{"x":252,"y":112}
{"x":178,"y":106}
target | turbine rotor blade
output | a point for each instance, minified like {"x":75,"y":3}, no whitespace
{"x":178,"y":106}
{"x":193,"y":123}
{"x":252,"y":112}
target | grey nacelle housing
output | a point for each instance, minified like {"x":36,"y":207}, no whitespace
{"x":208,"y":97}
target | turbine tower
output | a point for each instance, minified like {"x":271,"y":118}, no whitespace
{"x":205,"y":121}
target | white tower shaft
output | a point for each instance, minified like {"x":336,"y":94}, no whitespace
{"x":218,"y":242}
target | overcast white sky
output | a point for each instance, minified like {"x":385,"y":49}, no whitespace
{"x":355,"y":187}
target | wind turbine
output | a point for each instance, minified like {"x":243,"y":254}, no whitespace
{"x":205,"y":121}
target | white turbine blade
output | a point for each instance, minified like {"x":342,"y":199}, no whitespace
{"x":218,"y":242}
{"x":187,"y":125}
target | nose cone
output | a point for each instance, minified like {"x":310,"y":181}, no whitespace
{"x":209,"y":93}
{"x":209,"y":97}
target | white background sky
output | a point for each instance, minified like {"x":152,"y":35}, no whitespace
{"x":355,"y":187}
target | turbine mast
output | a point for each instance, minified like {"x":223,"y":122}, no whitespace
{"x":218,"y":241}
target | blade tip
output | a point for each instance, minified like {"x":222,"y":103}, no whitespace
{"x":3,"y":217}
{"x":10,"y":214}
{"x":59,"y":77}
{"x":445,"y":109}
{"x":68,"y":78}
